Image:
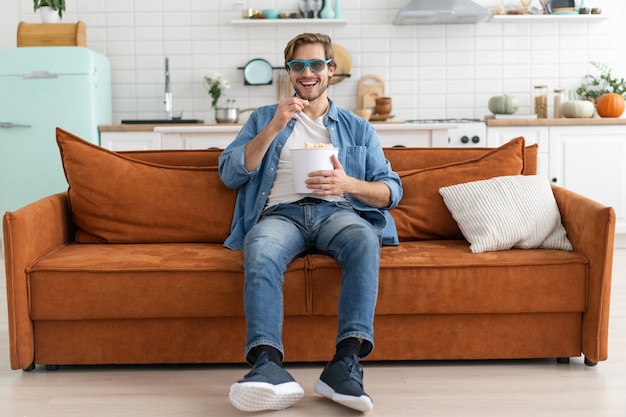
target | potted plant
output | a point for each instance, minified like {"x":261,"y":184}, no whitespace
{"x":606,"y":91}
{"x":51,"y":11}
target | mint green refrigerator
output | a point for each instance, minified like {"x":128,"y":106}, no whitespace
{"x":42,"y":88}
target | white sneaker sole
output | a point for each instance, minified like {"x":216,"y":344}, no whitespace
{"x":362,"y":403}
{"x":259,"y":396}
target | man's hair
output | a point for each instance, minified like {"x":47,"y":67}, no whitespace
{"x":309,"y":38}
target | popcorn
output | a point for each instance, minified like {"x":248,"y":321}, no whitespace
{"x":308,"y":145}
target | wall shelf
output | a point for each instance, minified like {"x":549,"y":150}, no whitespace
{"x":510,"y":18}
{"x":277,"y":22}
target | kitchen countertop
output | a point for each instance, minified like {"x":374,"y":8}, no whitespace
{"x":150,"y":127}
{"x":234,"y":127}
{"x":554,"y":122}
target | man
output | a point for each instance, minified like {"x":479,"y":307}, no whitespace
{"x":344,"y":216}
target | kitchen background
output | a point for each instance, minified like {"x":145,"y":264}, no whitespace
{"x":429,"y":71}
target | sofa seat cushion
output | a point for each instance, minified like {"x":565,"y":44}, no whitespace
{"x":116,"y":281}
{"x":443,"y":277}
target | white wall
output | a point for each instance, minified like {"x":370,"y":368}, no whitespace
{"x":430,"y":71}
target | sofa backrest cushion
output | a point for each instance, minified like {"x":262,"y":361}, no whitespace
{"x":118,"y":199}
{"x":422,"y":213}
{"x":177,"y":157}
{"x":403,"y":159}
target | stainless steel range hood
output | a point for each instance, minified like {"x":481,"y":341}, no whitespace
{"x":435,"y":12}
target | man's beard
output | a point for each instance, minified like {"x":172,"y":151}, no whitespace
{"x":315,"y":95}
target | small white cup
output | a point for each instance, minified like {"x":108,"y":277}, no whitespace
{"x":307,"y":160}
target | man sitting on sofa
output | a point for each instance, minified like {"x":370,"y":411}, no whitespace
{"x":344,"y":216}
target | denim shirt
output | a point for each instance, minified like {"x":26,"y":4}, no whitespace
{"x":360,"y":154}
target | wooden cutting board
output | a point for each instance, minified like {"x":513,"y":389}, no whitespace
{"x":370,"y":86}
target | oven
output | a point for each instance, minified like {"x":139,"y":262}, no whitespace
{"x":467,"y":133}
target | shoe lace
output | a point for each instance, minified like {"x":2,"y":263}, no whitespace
{"x":355,"y":369}
{"x":261,"y":363}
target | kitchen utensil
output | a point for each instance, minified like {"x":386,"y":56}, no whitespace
{"x":370,"y":87}
{"x":271,"y":13}
{"x":284,"y":88}
{"x":258,"y":71}
{"x":381,"y":117}
{"x":364,"y":113}
{"x":287,"y":86}
{"x":229,"y":114}
{"x":344,"y":64}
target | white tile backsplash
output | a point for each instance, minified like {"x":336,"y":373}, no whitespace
{"x":430,"y":71}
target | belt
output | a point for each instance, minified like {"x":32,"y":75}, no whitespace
{"x":307,"y":201}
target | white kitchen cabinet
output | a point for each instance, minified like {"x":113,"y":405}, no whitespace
{"x":130,"y":141}
{"x":410,"y":135}
{"x":391,"y":134}
{"x":497,"y":136}
{"x":591,"y":160}
{"x":587,"y":159}
{"x":197,"y":137}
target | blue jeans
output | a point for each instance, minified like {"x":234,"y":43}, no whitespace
{"x":286,"y":231}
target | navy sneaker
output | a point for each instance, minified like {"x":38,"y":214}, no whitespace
{"x":266,"y":387}
{"x":342,"y":382}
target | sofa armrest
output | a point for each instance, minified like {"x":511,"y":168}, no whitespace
{"x":30,"y":233}
{"x":590,"y":228}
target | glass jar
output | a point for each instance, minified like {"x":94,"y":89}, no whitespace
{"x":541,"y":101}
{"x":560,"y":96}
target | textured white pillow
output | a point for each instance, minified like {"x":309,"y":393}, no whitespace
{"x":500,"y":213}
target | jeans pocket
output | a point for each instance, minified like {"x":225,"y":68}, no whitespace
{"x":344,"y":205}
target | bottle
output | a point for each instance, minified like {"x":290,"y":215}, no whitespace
{"x":541,"y":101}
{"x":338,"y":12}
{"x":327,"y":11}
{"x":559,"y":98}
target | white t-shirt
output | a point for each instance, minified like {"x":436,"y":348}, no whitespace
{"x":305,"y":130}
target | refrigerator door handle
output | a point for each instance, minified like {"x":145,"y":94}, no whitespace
{"x":5,"y":125}
{"x":41,"y":74}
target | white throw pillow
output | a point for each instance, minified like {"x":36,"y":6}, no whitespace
{"x":507,"y":212}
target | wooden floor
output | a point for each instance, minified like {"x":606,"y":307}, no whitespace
{"x":535,"y":388}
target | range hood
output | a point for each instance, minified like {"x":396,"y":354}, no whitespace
{"x":437,"y":12}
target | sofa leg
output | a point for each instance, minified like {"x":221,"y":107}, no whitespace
{"x":30,"y":368}
{"x":52,"y":367}
{"x":562,"y":360}
{"x":590,"y":363}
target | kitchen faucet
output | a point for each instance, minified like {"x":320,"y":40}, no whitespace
{"x":168,"y":93}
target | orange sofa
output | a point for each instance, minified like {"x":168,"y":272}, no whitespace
{"x":127,"y":267}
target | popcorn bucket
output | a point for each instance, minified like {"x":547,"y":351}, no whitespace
{"x":307,"y":160}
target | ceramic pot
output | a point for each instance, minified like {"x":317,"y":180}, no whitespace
{"x":383,"y":105}
{"x":48,"y":15}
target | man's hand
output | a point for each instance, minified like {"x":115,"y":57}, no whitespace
{"x":288,"y":108}
{"x":337,"y":182}
{"x":330,"y":182}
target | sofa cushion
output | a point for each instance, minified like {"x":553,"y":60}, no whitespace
{"x":118,"y":199}
{"x":422,"y":214}
{"x":440,"y":277}
{"x":507,"y":212}
{"x":178,"y":157}
{"x":141,"y":281}
{"x":403,"y":159}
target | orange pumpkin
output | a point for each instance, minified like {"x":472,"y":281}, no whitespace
{"x":610,"y":105}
